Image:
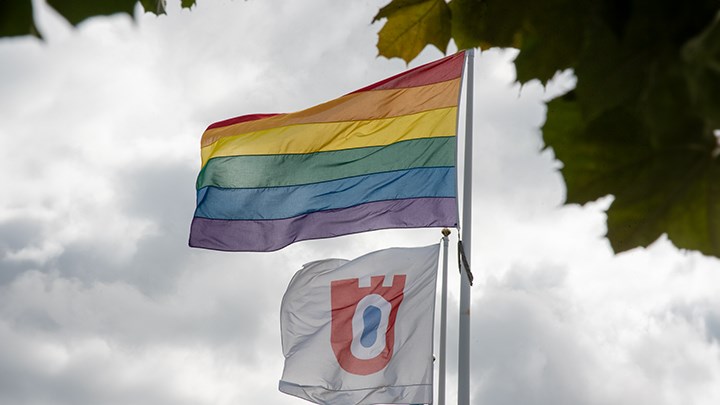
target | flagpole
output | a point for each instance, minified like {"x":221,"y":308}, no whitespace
{"x":464,"y":327}
{"x":443,"y":321}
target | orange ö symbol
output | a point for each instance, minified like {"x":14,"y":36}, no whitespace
{"x":363,"y":322}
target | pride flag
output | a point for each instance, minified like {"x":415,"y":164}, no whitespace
{"x":380,"y":157}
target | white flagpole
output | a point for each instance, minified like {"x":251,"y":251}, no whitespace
{"x":464,"y":329}
{"x":443,"y":321}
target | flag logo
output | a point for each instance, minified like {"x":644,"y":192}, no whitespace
{"x":363,"y":322}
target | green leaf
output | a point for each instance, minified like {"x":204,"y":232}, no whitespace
{"x":608,"y":74}
{"x":16,"y":18}
{"x":550,"y":40}
{"x":76,"y":11}
{"x":659,"y":187}
{"x":469,"y":25}
{"x":595,"y":156}
{"x":156,"y":7}
{"x":548,"y":33}
{"x":702,"y":60}
{"x":412,"y":24}
{"x":677,"y":194}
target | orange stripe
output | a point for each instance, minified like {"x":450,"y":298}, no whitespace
{"x":363,"y":106}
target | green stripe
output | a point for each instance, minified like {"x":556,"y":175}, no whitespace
{"x":288,"y":170}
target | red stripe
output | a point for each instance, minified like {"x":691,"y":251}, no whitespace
{"x":242,"y":118}
{"x":447,"y":68}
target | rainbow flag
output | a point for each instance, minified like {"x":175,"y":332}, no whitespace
{"x":380,"y":157}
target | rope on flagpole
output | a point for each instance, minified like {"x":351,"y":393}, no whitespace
{"x":463,"y":263}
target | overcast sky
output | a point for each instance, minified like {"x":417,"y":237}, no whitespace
{"x":103,"y":303}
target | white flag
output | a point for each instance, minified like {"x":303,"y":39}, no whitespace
{"x":360,"y":331}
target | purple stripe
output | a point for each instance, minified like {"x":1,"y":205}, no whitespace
{"x":270,"y":235}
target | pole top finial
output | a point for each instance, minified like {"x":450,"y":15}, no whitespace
{"x":445,"y":232}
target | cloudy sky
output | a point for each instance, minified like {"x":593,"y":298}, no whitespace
{"x":102,"y":302}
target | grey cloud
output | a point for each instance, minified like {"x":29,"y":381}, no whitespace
{"x":161,"y":194}
{"x":15,"y":234}
{"x":712,"y":325}
{"x":535,"y":341}
{"x":703,"y":313}
{"x":27,"y":377}
{"x":526,"y":344}
{"x":219,"y":313}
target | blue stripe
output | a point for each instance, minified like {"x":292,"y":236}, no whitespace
{"x":291,"y":201}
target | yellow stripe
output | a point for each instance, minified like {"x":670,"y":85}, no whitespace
{"x":366,"y":105}
{"x":310,"y":138}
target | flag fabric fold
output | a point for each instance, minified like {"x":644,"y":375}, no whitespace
{"x":361,"y":331}
{"x":380,"y":157}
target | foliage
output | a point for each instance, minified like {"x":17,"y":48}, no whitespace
{"x":426,"y":22}
{"x":641,"y":124}
{"x":16,"y":16}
